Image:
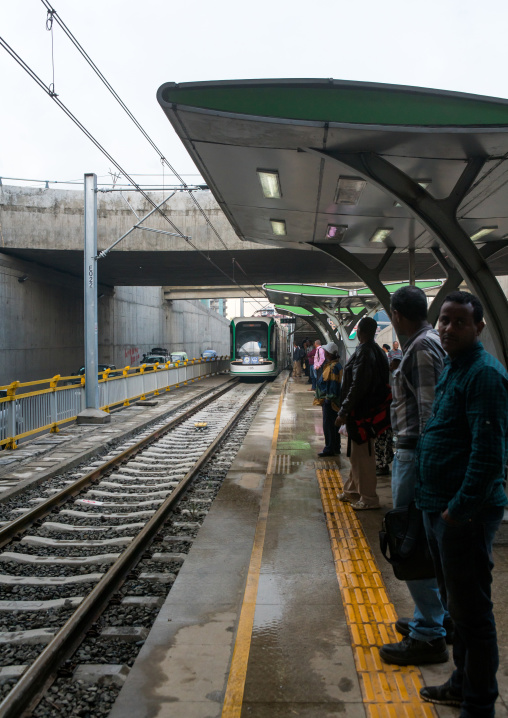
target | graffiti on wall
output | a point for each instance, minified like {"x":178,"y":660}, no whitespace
{"x":132,"y":356}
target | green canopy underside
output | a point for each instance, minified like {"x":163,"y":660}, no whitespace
{"x":391,"y":288}
{"x":308,"y":290}
{"x":301,"y":312}
{"x":332,"y":103}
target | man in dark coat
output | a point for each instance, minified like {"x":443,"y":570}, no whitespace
{"x":365,"y":376}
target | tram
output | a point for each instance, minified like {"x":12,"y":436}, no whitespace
{"x":259,"y":347}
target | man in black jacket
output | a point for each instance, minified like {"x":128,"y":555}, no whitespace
{"x":365,"y":374}
{"x":298,"y":354}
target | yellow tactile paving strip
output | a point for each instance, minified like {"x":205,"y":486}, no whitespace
{"x":388,"y":691}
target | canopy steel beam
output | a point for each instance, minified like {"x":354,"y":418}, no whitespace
{"x":439,"y":216}
{"x":325,"y":327}
{"x":317,"y":326}
{"x":453,"y":282}
{"x":330,"y":315}
{"x":369,"y":276}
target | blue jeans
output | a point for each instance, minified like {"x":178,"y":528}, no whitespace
{"x":313,"y":377}
{"x":463,"y":558}
{"x":430,"y":610}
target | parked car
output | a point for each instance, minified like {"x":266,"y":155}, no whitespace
{"x":178,"y":356}
{"x":209,"y":354}
{"x":159,"y":350}
{"x":156,"y":358}
{"x":102,"y":368}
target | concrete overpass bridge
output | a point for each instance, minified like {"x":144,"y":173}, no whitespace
{"x":46,"y":227}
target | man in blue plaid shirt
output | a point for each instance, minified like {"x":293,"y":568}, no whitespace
{"x":461,"y":462}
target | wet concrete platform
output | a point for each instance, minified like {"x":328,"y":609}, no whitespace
{"x":47,"y":455}
{"x":257,"y":623}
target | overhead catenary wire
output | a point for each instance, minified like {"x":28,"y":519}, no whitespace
{"x":162,"y":158}
{"x":97,"y":144}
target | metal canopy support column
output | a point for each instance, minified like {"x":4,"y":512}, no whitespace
{"x":369,"y":276}
{"x":318,"y":328}
{"x":453,"y":282}
{"x":91,"y":414}
{"x":325,"y":328}
{"x":439,"y":216}
{"x":319,"y":318}
{"x":310,"y":320}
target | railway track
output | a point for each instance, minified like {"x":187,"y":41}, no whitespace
{"x":65,"y":558}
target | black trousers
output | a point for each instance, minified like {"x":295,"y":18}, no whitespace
{"x":331,"y":432}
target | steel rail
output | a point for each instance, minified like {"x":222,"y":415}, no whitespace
{"x":12,"y":529}
{"x":30,"y":689}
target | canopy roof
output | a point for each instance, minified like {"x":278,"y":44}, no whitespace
{"x":233,"y":129}
{"x":341,"y":102}
{"x":382,"y":178}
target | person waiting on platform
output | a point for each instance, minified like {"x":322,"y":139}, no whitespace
{"x":312,"y":372}
{"x":319,"y":357}
{"x":413,"y":389}
{"x":298,"y":354}
{"x":462,"y":456}
{"x":328,"y":397}
{"x":307,"y":345}
{"x":384,"y":442}
{"x":365,"y":378}
{"x":394,"y":356}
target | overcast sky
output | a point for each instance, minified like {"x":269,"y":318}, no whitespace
{"x":447,"y":44}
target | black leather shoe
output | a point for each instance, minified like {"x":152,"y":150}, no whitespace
{"x":443,"y":695}
{"x":325,"y":453}
{"x":402,"y":626}
{"x":414,"y":653}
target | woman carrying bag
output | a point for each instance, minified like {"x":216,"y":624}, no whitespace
{"x":328,"y":397}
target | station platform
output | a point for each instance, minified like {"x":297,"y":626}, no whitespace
{"x":284,"y":597}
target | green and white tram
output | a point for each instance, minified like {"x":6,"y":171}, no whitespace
{"x":258,"y":347}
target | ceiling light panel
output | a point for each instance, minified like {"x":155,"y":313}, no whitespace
{"x":381,"y":234}
{"x":349,"y":190}
{"x":270,"y":184}
{"x":278,"y":227}
{"x":482,"y":232}
{"x":335,"y":231}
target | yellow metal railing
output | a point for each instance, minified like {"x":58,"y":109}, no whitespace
{"x":25,"y":411}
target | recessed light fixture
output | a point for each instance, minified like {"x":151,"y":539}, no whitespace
{"x":381,"y":234}
{"x":278,"y":226}
{"x":482,"y":232}
{"x":335,"y":231}
{"x":270,"y":183}
{"x":423,"y":184}
{"x":349,"y":190}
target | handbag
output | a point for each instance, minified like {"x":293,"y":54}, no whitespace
{"x":404,"y":545}
{"x":363,"y":428}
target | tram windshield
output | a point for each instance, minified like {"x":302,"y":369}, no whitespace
{"x":251,"y":340}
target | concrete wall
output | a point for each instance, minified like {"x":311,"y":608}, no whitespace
{"x":41,"y":326}
{"x":35,"y":218}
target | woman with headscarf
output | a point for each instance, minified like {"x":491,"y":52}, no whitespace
{"x":328,"y":397}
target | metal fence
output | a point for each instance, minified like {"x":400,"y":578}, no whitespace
{"x":25,"y":410}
